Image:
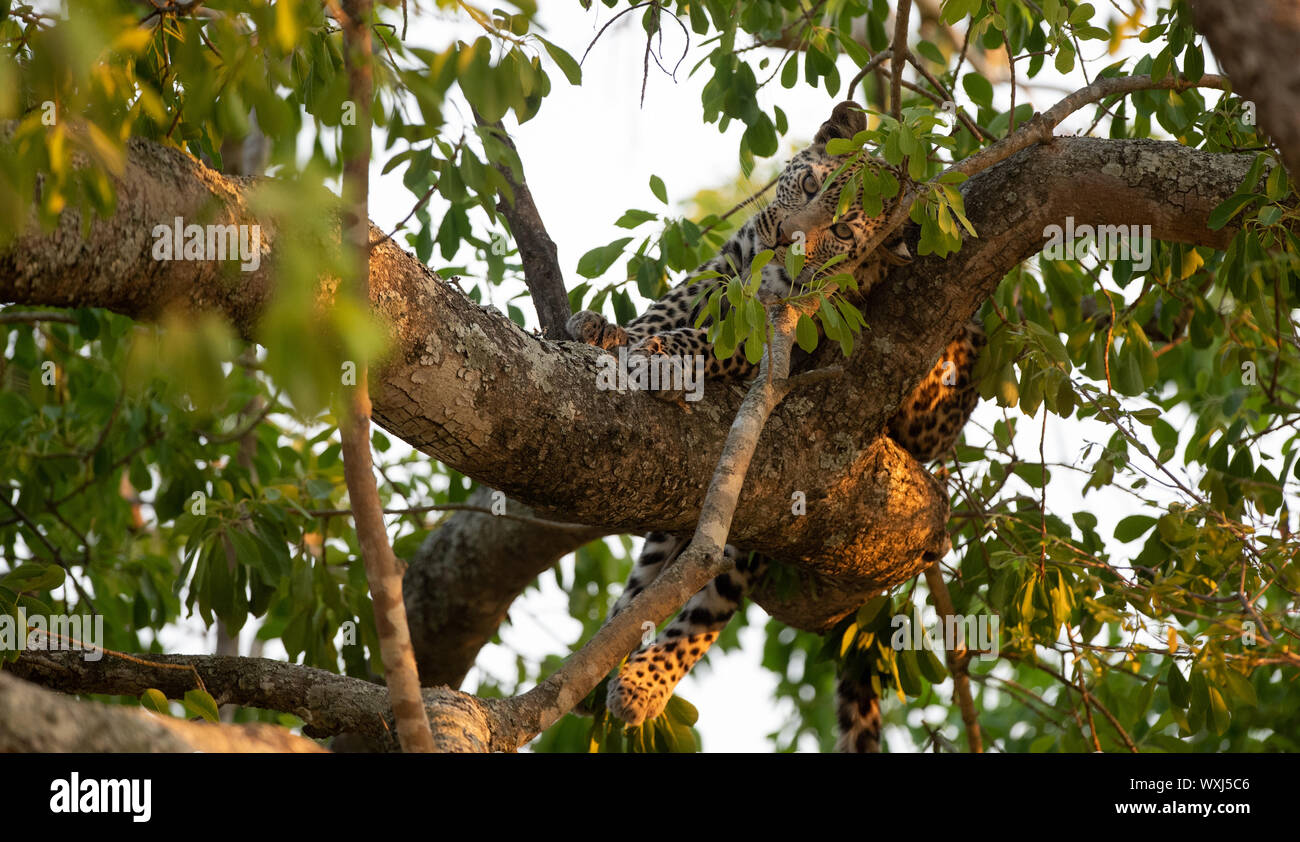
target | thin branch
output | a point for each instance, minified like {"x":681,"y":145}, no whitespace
{"x":382,"y":572}
{"x":252,"y":425}
{"x":1039,"y":128}
{"x":461,"y":507}
{"x":970,"y":124}
{"x":14,"y":317}
{"x":749,"y":200}
{"x":867,"y":68}
{"x":899,"y":49}
{"x":958,"y":661}
{"x":537,"y":252}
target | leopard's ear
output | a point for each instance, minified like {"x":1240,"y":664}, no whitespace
{"x":847,"y":119}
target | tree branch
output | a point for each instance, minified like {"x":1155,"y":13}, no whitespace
{"x":326,"y":702}
{"x":958,"y":662}
{"x":900,"y":53}
{"x":382,"y":572}
{"x":465,"y":385}
{"x":1251,"y":39}
{"x":463,"y":579}
{"x":541,"y":262}
{"x":33,"y":719}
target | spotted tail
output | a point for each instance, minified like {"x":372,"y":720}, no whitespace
{"x":858,"y":714}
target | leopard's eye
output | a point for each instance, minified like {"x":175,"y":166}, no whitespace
{"x":842,"y":231}
{"x":811,"y":185}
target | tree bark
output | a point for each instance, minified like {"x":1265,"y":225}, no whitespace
{"x":33,"y":719}
{"x":1256,"y":44}
{"x":463,"y":579}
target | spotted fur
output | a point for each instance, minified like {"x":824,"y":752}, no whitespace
{"x":927,"y":423}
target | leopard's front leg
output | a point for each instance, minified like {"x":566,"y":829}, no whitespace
{"x":684,"y":359}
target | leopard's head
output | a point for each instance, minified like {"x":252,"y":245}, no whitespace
{"x":805,"y":209}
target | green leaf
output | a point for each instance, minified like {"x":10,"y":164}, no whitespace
{"x":154,"y":700}
{"x":932,"y":667}
{"x":1217,"y":711}
{"x":926,"y":49}
{"x":805,"y":333}
{"x":200,"y":704}
{"x":789,"y":73}
{"x":31,"y":577}
{"x":657,"y":187}
{"x":979,"y":89}
{"x":1179,"y":692}
{"x":632,"y":217}
{"x":596,"y":262}
{"x":1133,"y":527}
{"x":570,"y":68}
{"x":1194,"y":63}
{"x":1229,"y":208}
{"x":1064,"y":59}
{"x":682,"y":711}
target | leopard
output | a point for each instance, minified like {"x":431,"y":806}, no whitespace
{"x":806,"y":209}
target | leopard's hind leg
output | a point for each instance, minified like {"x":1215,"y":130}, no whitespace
{"x":645,"y":683}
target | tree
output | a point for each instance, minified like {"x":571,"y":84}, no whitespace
{"x":172,"y":431}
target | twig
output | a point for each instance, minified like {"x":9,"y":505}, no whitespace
{"x":958,"y":661}
{"x":899,"y":48}
{"x":751,"y":199}
{"x":871,"y":65}
{"x":10,"y":317}
{"x":460,"y":507}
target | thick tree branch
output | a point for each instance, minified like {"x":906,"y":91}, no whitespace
{"x":466,"y":386}
{"x":461,"y":582}
{"x":326,"y":702}
{"x":33,"y":719}
{"x":1256,"y":43}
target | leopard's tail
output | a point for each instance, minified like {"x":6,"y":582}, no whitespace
{"x":858,"y":713}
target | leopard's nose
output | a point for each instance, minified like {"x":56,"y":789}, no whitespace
{"x":783,"y":238}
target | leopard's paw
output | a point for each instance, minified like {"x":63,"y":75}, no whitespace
{"x":651,"y":346}
{"x":595,"y":329}
{"x":640,"y":691}
{"x":665,"y":375}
